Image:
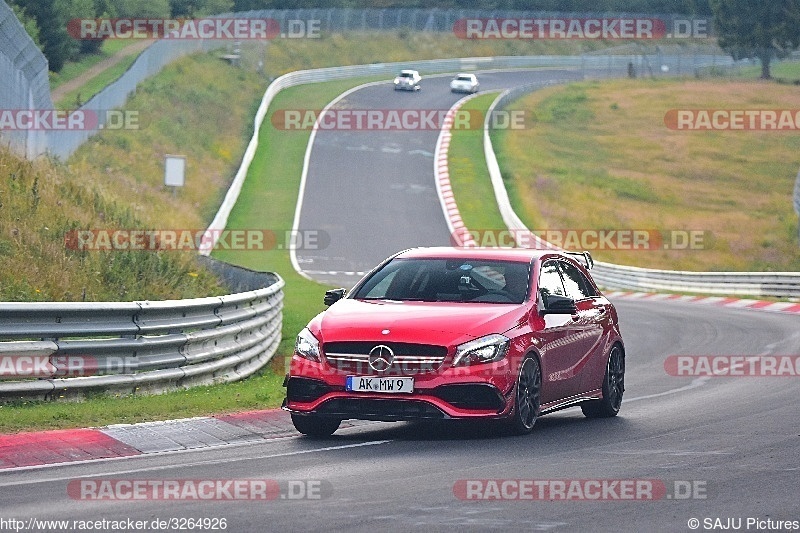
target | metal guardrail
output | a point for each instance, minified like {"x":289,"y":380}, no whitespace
{"x":620,"y":277}
{"x":70,"y":349}
{"x":760,"y":284}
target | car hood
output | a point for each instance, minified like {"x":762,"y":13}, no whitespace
{"x":441,"y":323}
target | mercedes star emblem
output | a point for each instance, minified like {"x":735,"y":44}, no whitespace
{"x":381,"y":358}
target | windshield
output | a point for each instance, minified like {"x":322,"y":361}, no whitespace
{"x":464,"y":78}
{"x":448,"y":280}
{"x":406,"y":75}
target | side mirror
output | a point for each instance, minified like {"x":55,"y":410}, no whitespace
{"x":558,"y":305}
{"x":334,"y":295}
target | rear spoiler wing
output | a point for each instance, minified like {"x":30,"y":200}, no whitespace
{"x":586,"y":256}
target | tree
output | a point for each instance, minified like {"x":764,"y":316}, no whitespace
{"x":56,"y":42}
{"x":141,"y":8}
{"x":77,"y":9}
{"x":199,"y":8}
{"x":28,"y":22}
{"x":763,"y":30}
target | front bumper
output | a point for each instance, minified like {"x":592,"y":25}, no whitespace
{"x":480,"y":391}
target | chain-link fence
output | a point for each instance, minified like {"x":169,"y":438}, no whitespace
{"x":63,"y":143}
{"x":445,"y":20}
{"x":24,"y":82}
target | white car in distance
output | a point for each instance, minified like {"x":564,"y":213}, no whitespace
{"x":464,"y":83}
{"x":407,"y":80}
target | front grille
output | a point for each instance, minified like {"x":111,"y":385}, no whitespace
{"x":409,"y":358}
{"x":388,"y":410}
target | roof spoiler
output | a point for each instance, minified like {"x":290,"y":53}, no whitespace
{"x":587,"y":258}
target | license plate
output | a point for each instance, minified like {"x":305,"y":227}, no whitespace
{"x":375,"y":384}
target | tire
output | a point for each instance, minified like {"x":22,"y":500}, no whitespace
{"x":315,"y":426}
{"x":613,"y":388}
{"x":526,"y":397}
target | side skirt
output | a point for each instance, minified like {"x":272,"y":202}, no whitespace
{"x":571,"y":402}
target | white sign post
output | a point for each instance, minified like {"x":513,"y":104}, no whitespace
{"x":174,"y":171}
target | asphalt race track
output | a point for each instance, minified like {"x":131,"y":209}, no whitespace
{"x":733,"y":441}
{"x":373,"y":192}
{"x":737,"y":439}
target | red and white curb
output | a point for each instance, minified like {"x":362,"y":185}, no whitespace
{"x":721,"y":301}
{"x":459,"y":235}
{"x":36,"y":449}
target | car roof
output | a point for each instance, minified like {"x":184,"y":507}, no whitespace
{"x":521,"y":255}
{"x":407,"y":71}
{"x":465,"y":75}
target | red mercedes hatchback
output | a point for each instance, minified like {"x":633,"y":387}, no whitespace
{"x":459,"y":333}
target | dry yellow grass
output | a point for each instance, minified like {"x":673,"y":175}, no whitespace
{"x":599,"y":155}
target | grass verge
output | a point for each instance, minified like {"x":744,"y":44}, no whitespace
{"x":116,"y":181}
{"x":77,"y":97}
{"x":469,"y":177}
{"x":599,"y":155}
{"x":74,"y":69}
{"x":256,"y":392}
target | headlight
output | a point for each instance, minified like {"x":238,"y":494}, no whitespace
{"x":484,"y":350}
{"x":307,"y":345}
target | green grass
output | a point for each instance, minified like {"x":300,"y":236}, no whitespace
{"x":74,"y":69}
{"x":256,"y":392}
{"x":81,"y":95}
{"x":364,"y":48}
{"x":782,"y":72}
{"x":469,"y":176}
{"x":116,"y":181}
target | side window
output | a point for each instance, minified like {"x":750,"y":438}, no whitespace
{"x":578,"y":287}
{"x":550,"y":279}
